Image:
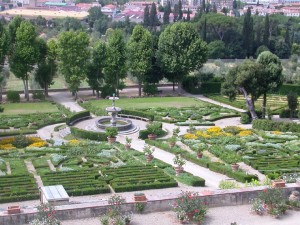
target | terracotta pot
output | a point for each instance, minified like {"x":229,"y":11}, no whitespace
{"x":127,"y":146}
{"x":171,"y":144}
{"x":13,"y":209}
{"x":178,"y":170}
{"x":149,"y":158}
{"x":152,"y":136}
{"x":190,"y":216}
{"x":140,"y":198}
{"x":278,"y":183}
{"x":199,"y":155}
{"x":235,"y":166}
{"x":111,"y":140}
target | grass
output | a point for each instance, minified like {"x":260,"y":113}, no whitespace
{"x":28,"y":108}
{"x":142,"y":103}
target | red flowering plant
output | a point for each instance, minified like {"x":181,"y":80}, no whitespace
{"x":190,"y":204}
{"x":46,"y":216}
{"x":115,"y":202}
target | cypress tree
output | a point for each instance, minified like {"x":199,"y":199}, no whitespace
{"x":188,"y":16}
{"x":203,"y":6}
{"x":167,"y":11}
{"x":248,"y":33}
{"x":153,"y":20}
{"x":266,"y":36}
{"x":180,"y":13}
{"x":175,"y":12}
{"x":214,"y":9}
{"x":146,"y":16}
{"x":204,"y":30}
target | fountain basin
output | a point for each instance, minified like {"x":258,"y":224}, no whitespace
{"x":121,"y":123}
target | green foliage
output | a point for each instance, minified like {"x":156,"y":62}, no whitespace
{"x":150,"y":89}
{"x":97,"y":136}
{"x":227,"y":184}
{"x":287,"y":88}
{"x":111,"y":131}
{"x":245,"y":118}
{"x":46,"y":215}
{"x":38,"y":95}
{"x":276,"y":126}
{"x":292,"y":101}
{"x":13,"y":96}
{"x":21,"y":141}
{"x":72,"y":119}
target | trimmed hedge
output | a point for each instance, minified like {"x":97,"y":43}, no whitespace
{"x":77,"y":117}
{"x":138,"y":113}
{"x":269,"y":125}
{"x":191,"y":85}
{"x":286,"y":113}
{"x":91,"y":135}
{"x":17,"y":132}
{"x":287,"y":88}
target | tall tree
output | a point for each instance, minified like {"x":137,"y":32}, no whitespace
{"x":25,"y":53}
{"x":188,"y":16}
{"x":245,"y":79}
{"x":146,"y":16}
{"x":12,"y":29}
{"x":4,"y":75}
{"x":139,"y":54}
{"x":96,"y":67}
{"x":115,"y":69}
{"x":181,"y":50}
{"x":180,"y":13}
{"x":167,"y":12}
{"x":47,"y":66}
{"x":214,"y":9}
{"x":175,"y":13}
{"x":153,"y":19}
{"x":73,"y":54}
{"x":272,"y":78}
{"x":248,"y":33}
{"x":266,"y":35}
{"x":204,"y":29}
{"x":203,"y":6}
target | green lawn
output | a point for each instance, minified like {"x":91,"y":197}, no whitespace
{"x":142,"y":103}
{"x":28,"y":108}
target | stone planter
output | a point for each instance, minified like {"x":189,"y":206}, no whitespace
{"x":278,"y":183}
{"x":178,"y":170}
{"x":235,"y":166}
{"x":127,"y":146}
{"x":13,"y":209}
{"x":152,"y":136}
{"x":149,"y":158}
{"x":111,"y":140}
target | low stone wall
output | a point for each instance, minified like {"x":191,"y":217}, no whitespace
{"x":216,"y":198}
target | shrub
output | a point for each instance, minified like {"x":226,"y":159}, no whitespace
{"x":21,"y":141}
{"x":279,"y":126}
{"x":38,"y":95}
{"x":150,"y":89}
{"x":88,"y":134}
{"x":77,"y":116}
{"x":111,"y":131}
{"x":13,"y":96}
{"x":245,"y":118}
{"x":1,"y":109}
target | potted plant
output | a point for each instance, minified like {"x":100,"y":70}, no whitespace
{"x":278,"y":183}
{"x":234,"y":165}
{"x":148,"y":152}
{"x":179,"y":162}
{"x":189,"y":205}
{"x":128,"y":142}
{"x":172,"y":141}
{"x":127,"y":218}
{"x":111,"y":133}
{"x":200,"y":148}
{"x":140,"y":197}
{"x":153,"y":129}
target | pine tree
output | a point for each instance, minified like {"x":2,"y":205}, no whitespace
{"x":287,"y":38}
{"x":248,"y":33}
{"x":146,"y":16}
{"x":188,"y":16}
{"x":175,"y":12}
{"x":153,"y":20}
{"x":266,"y":36}
{"x":180,"y":13}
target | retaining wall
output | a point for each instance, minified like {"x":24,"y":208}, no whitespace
{"x":216,"y":198}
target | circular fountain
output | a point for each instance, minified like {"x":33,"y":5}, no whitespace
{"x":113,"y":120}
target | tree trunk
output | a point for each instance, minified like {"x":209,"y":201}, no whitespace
{"x":26,"y":90}
{"x":1,"y":95}
{"x":140,"y":88}
{"x":249,"y":104}
{"x":46,"y":90}
{"x":179,"y":87}
{"x":94,"y":92}
{"x":76,"y":95}
{"x":98,"y":94}
{"x":173,"y":85}
{"x":264,"y":105}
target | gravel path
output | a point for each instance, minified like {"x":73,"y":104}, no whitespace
{"x":216,"y":216}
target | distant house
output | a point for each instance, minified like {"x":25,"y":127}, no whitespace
{"x":109,"y":9}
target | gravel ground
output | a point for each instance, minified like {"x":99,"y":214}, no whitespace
{"x":216,"y":216}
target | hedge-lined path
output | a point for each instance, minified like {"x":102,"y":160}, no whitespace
{"x":31,"y":169}
{"x":250,"y":170}
{"x":48,"y":132}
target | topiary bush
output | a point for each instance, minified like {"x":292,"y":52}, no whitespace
{"x":13,"y":96}
{"x":38,"y":95}
{"x":245,"y":119}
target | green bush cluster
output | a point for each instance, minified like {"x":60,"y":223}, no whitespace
{"x":269,"y":125}
{"x":17,"y":188}
{"x":71,"y":120}
{"x":81,"y":182}
{"x":186,"y":178}
{"x":286,"y":113}
{"x":287,"y":88}
{"x":13,"y":96}
{"x":1,"y":109}
{"x":38,"y":95}
{"x":146,"y":115}
{"x":134,"y":178}
{"x":192,"y":85}
{"x":91,"y":135}
{"x":17,"y":132}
